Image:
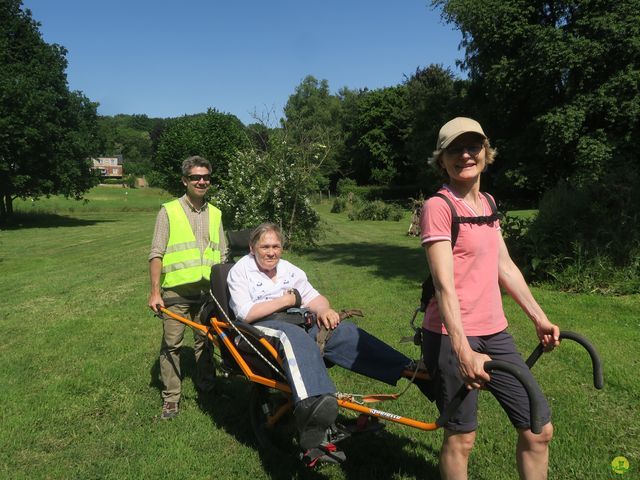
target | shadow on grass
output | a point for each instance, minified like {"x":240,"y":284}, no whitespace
{"x":387,"y":261}
{"x":44,"y":220}
{"x":380,"y":455}
{"x":228,"y":408}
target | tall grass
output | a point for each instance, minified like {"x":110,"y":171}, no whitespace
{"x":79,"y":379}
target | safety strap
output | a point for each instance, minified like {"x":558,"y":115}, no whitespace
{"x":324,"y":333}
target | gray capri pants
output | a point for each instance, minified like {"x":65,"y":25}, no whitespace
{"x":441,"y":362}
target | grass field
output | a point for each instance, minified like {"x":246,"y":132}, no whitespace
{"x":79,"y":379}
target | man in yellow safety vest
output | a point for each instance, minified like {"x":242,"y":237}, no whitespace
{"x":188,"y":239}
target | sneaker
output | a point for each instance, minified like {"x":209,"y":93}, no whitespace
{"x":169,"y":410}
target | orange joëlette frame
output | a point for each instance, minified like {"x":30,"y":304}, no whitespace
{"x":219,"y":336}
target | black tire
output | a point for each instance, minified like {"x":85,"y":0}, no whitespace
{"x":280,"y":438}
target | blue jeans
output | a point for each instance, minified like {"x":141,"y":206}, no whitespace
{"x":348,"y":346}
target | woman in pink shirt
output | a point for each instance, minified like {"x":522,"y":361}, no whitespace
{"x":464,"y":323}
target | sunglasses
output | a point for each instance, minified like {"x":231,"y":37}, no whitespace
{"x":473,"y":149}
{"x":197,"y":178}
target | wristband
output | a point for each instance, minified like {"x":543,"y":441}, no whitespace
{"x":296,"y":293}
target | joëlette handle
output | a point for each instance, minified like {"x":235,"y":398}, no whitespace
{"x":598,"y":378}
{"x":535,"y":408}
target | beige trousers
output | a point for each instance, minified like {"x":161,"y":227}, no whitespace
{"x":172,"y":340}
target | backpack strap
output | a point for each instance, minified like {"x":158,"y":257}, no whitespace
{"x":491,"y":202}
{"x":428,"y":290}
{"x":455,"y":219}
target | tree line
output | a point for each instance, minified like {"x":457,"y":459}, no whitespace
{"x":556,"y":84}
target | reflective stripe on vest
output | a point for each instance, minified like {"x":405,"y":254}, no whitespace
{"x":182,"y":262}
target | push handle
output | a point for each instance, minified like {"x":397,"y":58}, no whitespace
{"x":598,"y":378}
{"x":535,"y":407}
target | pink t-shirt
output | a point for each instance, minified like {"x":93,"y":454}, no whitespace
{"x":475,"y":266}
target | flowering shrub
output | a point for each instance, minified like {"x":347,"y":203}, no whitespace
{"x":275,"y":186}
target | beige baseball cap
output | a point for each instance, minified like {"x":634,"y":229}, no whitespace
{"x":456,"y":127}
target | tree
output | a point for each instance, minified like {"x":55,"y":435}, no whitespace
{"x":213,"y":135}
{"x":47,"y":133}
{"x":434,"y":96}
{"x":312,"y":112}
{"x":129,"y":136}
{"x":557,"y":83}
{"x":375,"y":124}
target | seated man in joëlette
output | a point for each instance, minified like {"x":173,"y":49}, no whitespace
{"x":263,"y":286}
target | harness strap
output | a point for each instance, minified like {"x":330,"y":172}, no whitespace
{"x":456,"y":219}
{"x":324,"y":333}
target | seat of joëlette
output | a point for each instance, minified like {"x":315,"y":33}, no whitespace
{"x":219,"y":308}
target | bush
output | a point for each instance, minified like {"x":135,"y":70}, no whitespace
{"x":339,"y":205}
{"x":154,"y":179}
{"x":343,"y":186}
{"x":130,"y":180}
{"x":583,"y":239}
{"x":376,"y":210}
{"x":273,"y":185}
{"x":402,"y":193}
{"x":598,"y":274}
{"x":112,"y":181}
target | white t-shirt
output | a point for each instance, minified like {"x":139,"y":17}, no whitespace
{"x":249,"y":286}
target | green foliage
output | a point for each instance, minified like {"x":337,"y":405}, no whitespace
{"x":154,"y":179}
{"x":365,"y":192}
{"x":130,"y":180}
{"x":47,"y":133}
{"x":434,"y":96}
{"x":339,"y":205}
{"x":589,"y":273}
{"x":129,"y":136}
{"x":556,"y":84}
{"x":402,"y":194}
{"x":375,"y":210}
{"x":312,"y":112}
{"x":379,"y":137}
{"x":359,"y":208}
{"x":215,"y":136}
{"x":344,"y":185}
{"x":583,"y":238}
{"x":273,"y":185}
{"x":112,"y":181}
{"x":375,"y":123}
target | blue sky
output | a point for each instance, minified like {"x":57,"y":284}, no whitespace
{"x":170,"y":58}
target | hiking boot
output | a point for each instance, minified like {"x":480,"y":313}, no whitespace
{"x":169,"y":410}
{"x":313,"y":416}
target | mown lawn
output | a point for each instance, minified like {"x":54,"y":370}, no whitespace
{"x":79,"y":378}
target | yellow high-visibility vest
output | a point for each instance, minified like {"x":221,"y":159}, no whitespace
{"x":182,"y":262}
